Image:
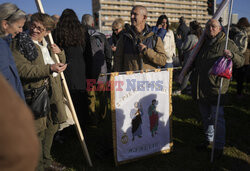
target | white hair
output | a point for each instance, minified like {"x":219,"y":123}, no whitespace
{"x":87,"y":20}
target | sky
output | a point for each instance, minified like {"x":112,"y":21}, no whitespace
{"x":241,"y":7}
{"x":54,"y":6}
{"x":85,"y":6}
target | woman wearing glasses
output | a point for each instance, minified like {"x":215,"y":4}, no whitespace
{"x":37,"y":67}
{"x":117,"y":27}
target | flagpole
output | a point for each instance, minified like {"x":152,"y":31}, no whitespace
{"x":221,"y":82}
{"x":71,"y":106}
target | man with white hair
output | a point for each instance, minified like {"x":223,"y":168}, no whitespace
{"x":139,"y":48}
{"x":205,"y":87}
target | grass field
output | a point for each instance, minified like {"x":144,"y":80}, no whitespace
{"x":187,"y":132}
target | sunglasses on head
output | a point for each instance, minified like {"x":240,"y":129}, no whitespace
{"x":12,"y":14}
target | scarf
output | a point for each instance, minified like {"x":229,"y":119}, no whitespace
{"x":26,"y":46}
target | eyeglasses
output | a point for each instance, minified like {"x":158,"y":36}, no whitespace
{"x":37,"y":27}
{"x":115,"y":30}
{"x":211,"y":25}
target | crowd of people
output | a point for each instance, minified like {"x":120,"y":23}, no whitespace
{"x":28,"y":63}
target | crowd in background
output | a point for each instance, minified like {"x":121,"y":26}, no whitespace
{"x":29,"y":64}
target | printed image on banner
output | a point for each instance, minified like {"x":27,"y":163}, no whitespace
{"x":142,"y":114}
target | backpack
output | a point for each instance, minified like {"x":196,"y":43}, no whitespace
{"x":98,"y":61}
{"x":240,"y":38}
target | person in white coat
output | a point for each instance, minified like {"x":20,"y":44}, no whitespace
{"x":167,"y":36}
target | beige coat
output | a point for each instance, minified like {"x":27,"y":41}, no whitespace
{"x":33,"y":75}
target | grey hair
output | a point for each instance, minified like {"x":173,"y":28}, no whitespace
{"x":119,"y":22}
{"x":87,"y":20}
{"x":11,"y":13}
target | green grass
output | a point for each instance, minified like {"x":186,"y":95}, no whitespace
{"x":187,"y":132}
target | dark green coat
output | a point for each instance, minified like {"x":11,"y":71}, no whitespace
{"x":33,"y":75}
{"x":205,"y":87}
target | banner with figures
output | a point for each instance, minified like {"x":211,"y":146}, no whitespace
{"x":141,"y":108}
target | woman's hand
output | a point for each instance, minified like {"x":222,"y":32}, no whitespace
{"x":113,"y":48}
{"x":58,"y":67}
{"x":55,"y":49}
{"x":142,"y":47}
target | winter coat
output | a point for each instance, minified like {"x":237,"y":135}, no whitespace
{"x":205,"y":87}
{"x":247,"y":57}
{"x":75,"y":73}
{"x":168,"y":42}
{"x":169,"y":46}
{"x":247,"y":53}
{"x":161,"y":32}
{"x":8,"y":66}
{"x":187,"y":46}
{"x":98,"y":55}
{"x":128,"y":57}
{"x":240,"y":38}
{"x":33,"y":74}
{"x":114,"y":38}
{"x":183,"y":30}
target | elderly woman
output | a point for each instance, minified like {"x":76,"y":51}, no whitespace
{"x":12,"y":20}
{"x":37,"y":67}
{"x":17,"y":131}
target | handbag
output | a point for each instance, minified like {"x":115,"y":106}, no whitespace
{"x":222,"y":68}
{"x":38,"y":101}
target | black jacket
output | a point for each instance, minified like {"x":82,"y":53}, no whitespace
{"x":75,"y":72}
{"x":183,"y":30}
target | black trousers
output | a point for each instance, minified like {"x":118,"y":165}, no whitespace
{"x":80,"y":101}
{"x":241,"y":77}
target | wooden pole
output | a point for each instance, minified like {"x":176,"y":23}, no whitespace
{"x":71,"y":106}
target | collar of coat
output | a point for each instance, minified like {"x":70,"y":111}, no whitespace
{"x":131,"y":33}
{"x":8,"y":39}
{"x":219,"y":37}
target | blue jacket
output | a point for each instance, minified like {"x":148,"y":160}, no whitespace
{"x":159,"y":32}
{"x":8,"y":66}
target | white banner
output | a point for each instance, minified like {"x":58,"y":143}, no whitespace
{"x":142,"y":110}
